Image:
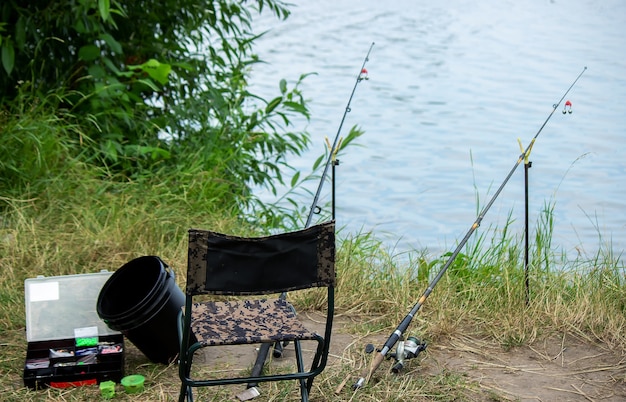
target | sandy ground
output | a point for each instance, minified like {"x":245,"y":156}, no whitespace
{"x":553,"y":369}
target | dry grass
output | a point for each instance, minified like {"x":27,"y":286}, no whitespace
{"x":376,"y":290}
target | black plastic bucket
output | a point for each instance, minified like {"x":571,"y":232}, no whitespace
{"x":142,"y":301}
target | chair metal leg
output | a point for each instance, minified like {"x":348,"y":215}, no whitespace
{"x":315,"y":364}
{"x":186,"y":394}
{"x":189,"y":394}
{"x":304,"y":392}
{"x":186,"y":391}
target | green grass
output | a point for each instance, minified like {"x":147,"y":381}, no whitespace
{"x":65,"y":218}
{"x":481,"y":295}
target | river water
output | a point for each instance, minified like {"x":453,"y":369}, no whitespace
{"x":452,"y":87}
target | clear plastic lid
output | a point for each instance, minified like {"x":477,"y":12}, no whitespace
{"x":62,"y":307}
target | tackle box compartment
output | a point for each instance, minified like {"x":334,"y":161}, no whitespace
{"x":68,"y":343}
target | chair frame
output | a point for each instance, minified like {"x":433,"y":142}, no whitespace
{"x":196,"y":286}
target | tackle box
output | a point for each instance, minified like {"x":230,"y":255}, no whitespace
{"x":68,"y":343}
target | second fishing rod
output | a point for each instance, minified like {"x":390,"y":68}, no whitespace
{"x":278,"y":347}
{"x":398,"y":333}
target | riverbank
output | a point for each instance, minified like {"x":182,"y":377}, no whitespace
{"x":484,"y":342}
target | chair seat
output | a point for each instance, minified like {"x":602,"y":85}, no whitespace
{"x":247,"y":321}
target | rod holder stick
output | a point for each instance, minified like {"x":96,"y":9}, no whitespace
{"x":334,"y":163}
{"x":526,"y":237}
{"x":527,"y":165}
{"x":257,"y":368}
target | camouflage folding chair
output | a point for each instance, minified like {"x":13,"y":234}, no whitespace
{"x":223,"y":265}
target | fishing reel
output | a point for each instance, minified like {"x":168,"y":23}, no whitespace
{"x":406,"y":350}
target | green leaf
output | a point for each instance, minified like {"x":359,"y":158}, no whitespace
{"x":107,"y":62}
{"x":297,"y":107}
{"x":354,"y":133}
{"x":96,"y":71}
{"x":20,"y":32}
{"x":184,"y":65}
{"x":110,"y":149}
{"x":159,"y":153}
{"x":79,"y":26}
{"x":318,"y":161}
{"x":89,"y":53}
{"x":104,"y":7}
{"x":157,"y":71}
{"x":8,"y":56}
{"x":273,"y":104}
{"x":283,"y":86}
{"x":149,"y":84}
{"x":294,"y":179}
{"x":115,"y":46}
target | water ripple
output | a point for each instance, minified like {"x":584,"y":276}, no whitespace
{"x":451,"y":91}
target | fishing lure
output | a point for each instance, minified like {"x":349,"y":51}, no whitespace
{"x":364,"y":75}
{"x":567,"y":108}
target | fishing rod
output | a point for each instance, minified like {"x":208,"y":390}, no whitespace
{"x":333,"y":149}
{"x":402,"y":327}
{"x":257,"y":368}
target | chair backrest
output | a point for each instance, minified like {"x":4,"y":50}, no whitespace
{"x":231,"y":265}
